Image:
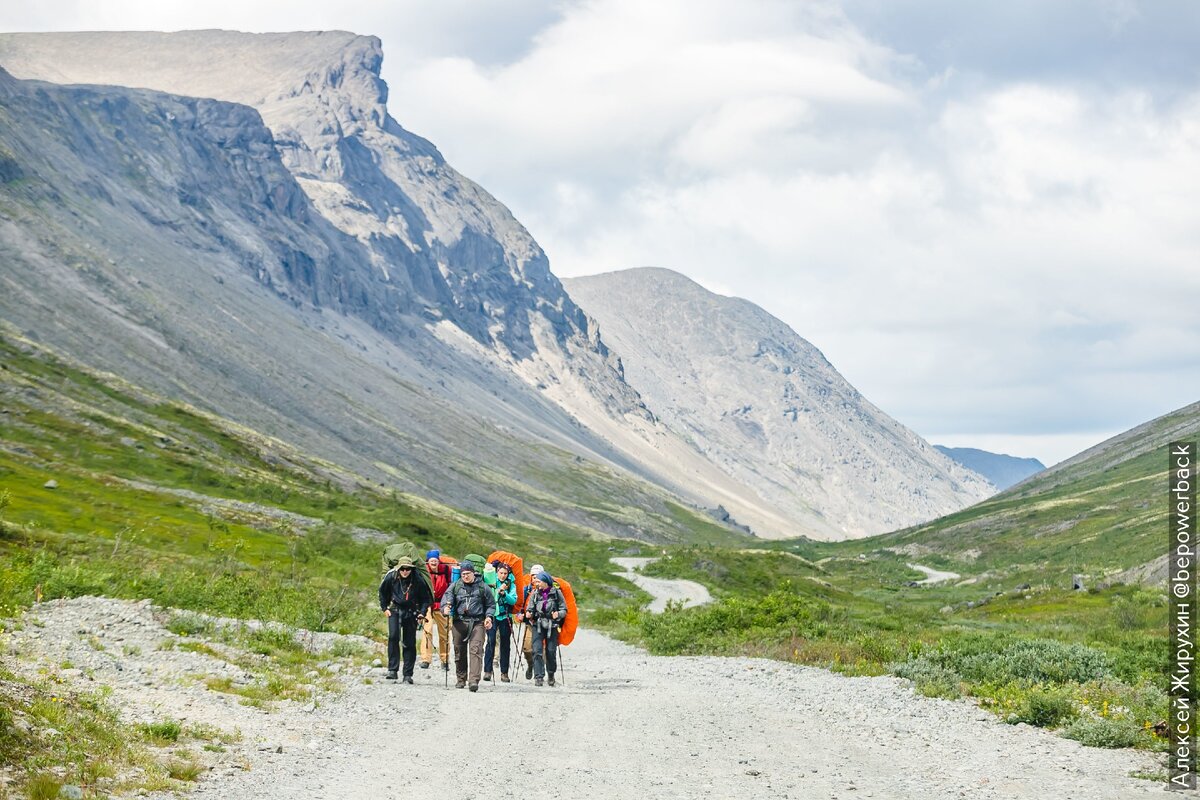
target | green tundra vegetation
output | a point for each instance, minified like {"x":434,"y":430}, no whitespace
{"x":106,"y":489}
{"x":1009,"y":631}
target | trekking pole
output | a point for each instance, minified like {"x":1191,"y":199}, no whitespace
{"x":449,"y":647}
{"x":561,"y":666}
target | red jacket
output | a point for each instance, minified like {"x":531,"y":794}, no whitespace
{"x":441,"y":582}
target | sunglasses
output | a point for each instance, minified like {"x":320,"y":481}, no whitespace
{"x":406,"y":569}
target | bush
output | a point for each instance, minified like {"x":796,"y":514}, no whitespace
{"x":981,"y":660}
{"x":1045,"y":709}
{"x":931,"y":679}
{"x":1096,"y":731}
{"x":186,"y":623}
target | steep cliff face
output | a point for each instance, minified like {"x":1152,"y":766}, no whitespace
{"x":441,"y":247}
{"x":769,"y":409}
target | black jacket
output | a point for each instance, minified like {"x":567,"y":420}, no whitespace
{"x":409,"y":594}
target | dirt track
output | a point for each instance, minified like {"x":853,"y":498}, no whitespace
{"x":625,"y":724}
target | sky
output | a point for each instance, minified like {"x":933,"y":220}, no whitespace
{"x":986,"y":215}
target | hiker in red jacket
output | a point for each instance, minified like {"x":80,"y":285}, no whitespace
{"x":440,"y":573}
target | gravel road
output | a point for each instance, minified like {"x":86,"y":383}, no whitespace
{"x":625,"y":724}
{"x":663,"y":590}
{"x":933,"y":575}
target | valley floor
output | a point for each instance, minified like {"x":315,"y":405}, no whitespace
{"x":624,"y":724}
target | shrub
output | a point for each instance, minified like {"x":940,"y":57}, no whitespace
{"x":185,"y":623}
{"x":931,"y":679}
{"x":1096,"y":731}
{"x":1045,"y":709}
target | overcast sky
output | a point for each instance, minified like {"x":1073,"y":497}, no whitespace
{"x":986,"y":215}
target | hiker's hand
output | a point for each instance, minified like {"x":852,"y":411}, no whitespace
{"x":554,"y":615}
{"x":487,"y":623}
{"x":387,"y":612}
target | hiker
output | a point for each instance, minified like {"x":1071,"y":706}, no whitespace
{"x":506,"y":597}
{"x":404,"y":599}
{"x":471,"y":607}
{"x":440,"y":573}
{"x":545,"y":612}
{"x":527,"y":636}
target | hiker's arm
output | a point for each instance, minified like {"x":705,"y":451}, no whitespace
{"x":384,"y":590}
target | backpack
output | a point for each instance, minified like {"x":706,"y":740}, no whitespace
{"x":394,"y":552}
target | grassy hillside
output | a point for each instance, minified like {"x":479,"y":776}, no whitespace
{"x":107,"y":489}
{"x":1008,"y":631}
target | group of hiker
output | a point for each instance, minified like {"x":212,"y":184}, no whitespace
{"x":474,"y":603}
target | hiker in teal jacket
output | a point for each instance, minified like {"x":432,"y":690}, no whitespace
{"x":498,"y":576}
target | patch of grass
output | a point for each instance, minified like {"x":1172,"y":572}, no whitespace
{"x":43,"y":787}
{"x":184,"y":770}
{"x":161,"y":733}
{"x":68,"y":738}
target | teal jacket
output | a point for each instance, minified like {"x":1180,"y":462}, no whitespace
{"x":506,"y":598}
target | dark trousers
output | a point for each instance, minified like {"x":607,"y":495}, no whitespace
{"x":402,"y":628}
{"x":545,"y":649}
{"x":468,"y":640}
{"x":501,"y":628}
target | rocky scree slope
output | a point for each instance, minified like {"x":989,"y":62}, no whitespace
{"x":160,"y":238}
{"x":769,"y":409}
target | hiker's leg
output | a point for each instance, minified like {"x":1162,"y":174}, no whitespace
{"x":539,"y":661}
{"x":410,"y":645}
{"x":443,"y":626}
{"x":460,"y":648}
{"x":427,"y":638}
{"x":504,"y":634}
{"x":393,"y":645}
{"x":489,"y":650}
{"x":476,"y":650}
{"x":527,"y":643}
{"x":552,"y":652}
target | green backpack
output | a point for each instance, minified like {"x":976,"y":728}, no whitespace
{"x":394,"y":552}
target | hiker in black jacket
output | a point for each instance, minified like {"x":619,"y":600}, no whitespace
{"x":471,"y":606}
{"x":405,"y":600}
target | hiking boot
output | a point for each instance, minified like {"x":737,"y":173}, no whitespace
{"x":537,"y":682}
{"x":529,"y":672}
{"x":504,"y":678}
{"x":487,"y":676}
{"x":408,"y":679}
{"x":424,"y":665}
{"x":474,"y":687}
{"x":391,"y":676}
{"x":550,"y":680}
{"x":460,"y":685}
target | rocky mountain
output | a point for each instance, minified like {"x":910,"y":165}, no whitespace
{"x":314,"y":271}
{"x":766,"y":406}
{"x":1002,"y":470}
{"x":236,"y":220}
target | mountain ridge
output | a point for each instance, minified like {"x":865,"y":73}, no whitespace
{"x":769,"y":407}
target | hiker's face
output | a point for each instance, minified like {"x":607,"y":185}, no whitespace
{"x":405,"y":572}
{"x":434,"y":563}
{"x":468,"y":576}
{"x":541,"y":584}
{"x":502,"y":573}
